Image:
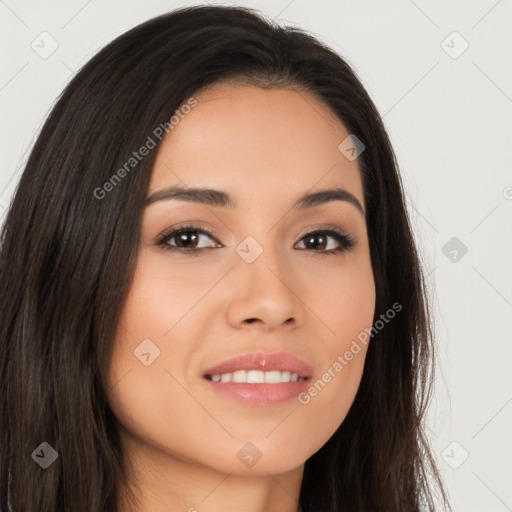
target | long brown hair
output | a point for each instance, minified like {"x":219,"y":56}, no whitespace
{"x":67,"y":258}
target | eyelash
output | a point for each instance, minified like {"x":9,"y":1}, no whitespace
{"x":345,"y":241}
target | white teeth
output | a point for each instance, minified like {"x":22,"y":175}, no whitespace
{"x":274,"y":377}
{"x":256,"y":377}
{"x":285,"y":376}
{"x":239,"y":376}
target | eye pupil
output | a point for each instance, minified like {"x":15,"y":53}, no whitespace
{"x":186,"y":236}
{"x":312,"y":243}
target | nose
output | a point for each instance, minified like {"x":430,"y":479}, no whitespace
{"x":264,"y":295}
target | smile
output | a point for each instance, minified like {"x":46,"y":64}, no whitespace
{"x":256,"y":377}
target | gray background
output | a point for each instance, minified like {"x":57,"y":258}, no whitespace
{"x":448,"y":113}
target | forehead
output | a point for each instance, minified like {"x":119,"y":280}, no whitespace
{"x":265,"y":143}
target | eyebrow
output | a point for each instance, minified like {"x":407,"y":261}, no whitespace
{"x":219,"y":198}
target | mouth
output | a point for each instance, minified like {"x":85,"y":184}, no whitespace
{"x":256,"y":377}
{"x":259,"y":368}
{"x":260,"y":379}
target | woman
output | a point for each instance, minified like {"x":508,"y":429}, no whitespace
{"x":211,"y":295}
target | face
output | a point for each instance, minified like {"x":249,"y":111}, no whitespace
{"x":259,"y":275}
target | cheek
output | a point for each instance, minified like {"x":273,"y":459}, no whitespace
{"x":346,"y":307}
{"x":152,"y":310}
{"x":161,"y":302}
{"x":159,"y":326}
{"x":333,"y":390}
{"x":344,"y":296}
{"x":162,"y":293}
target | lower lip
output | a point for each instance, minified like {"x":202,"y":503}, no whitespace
{"x":260,"y":394}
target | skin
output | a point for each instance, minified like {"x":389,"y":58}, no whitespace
{"x":180,"y":438}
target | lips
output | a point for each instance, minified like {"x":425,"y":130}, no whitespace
{"x":281,"y":361}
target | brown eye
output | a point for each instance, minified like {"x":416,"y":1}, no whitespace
{"x":318,"y":241}
{"x":186,"y":239}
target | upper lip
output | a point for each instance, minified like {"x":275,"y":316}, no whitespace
{"x":281,"y":361}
